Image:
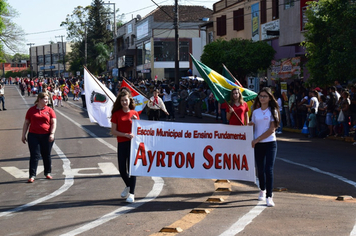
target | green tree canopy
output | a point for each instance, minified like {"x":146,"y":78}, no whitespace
{"x":331,"y":41}
{"x":11,"y":35}
{"x":86,"y":28}
{"x":242,"y":57}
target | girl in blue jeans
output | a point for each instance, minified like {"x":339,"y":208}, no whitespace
{"x":265,"y":119}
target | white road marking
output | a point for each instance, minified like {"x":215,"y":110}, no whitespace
{"x":20,"y":173}
{"x":68,"y":182}
{"x":105,"y":168}
{"x":245,"y":220}
{"x":156,"y":190}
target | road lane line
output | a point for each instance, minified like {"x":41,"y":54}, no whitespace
{"x":247,"y":218}
{"x":343,"y":179}
{"x":68,"y":179}
{"x":154,"y":193}
{"x":156,"y":190}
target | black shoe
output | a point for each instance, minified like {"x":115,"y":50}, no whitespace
{"x":0,"y":109}
{"x":4,"y":109}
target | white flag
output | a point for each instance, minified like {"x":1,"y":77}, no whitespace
{"x":99,"y":100}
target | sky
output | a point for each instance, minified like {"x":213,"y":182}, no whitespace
{"x":41,"y":19}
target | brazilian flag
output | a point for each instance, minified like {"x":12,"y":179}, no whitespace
{"x":219,"y":85}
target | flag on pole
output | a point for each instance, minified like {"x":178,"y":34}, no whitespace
{"x":99,"y":100}
{"x":139,"y":99}
{"x":220,"y":86}
{"x":227,"y":74}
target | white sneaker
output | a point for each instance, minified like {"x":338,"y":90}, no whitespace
{"x":262,"y":195}
{"x":131,"y":198}
{"x":270,"y":202}
{"x":125,"y":193}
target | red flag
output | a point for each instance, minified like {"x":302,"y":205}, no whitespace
{"x":140,"y":100}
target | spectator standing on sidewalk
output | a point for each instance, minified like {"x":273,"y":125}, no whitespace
{"x":2,"y":97}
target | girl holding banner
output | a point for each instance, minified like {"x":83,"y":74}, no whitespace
{"x":238,"y":109}
{"x":122,"y":113}
{"x":265,"y":119}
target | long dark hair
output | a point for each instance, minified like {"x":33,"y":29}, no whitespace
{"x":117,"y":104}
{"x":241,"y":99}
{"x":273,"y":104}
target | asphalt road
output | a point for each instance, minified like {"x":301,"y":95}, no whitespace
{"x":84,"y":196}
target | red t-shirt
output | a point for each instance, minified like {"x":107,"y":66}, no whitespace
{"x":240,"y":111}
{"x":224,"y":106}
{"x":124,"y":122}
{"x":40,"y":120}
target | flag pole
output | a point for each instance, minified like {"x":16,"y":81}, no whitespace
{"x":238,"y":82}
{"x":223,"y":98}
{"x":98,"y":83}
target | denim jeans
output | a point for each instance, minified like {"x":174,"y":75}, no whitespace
{"x":40,"y":147}
{"x":123,"y":156}
{"x":2,"y":99}
{"x":292,"y":119}
{"x":265,"y":156}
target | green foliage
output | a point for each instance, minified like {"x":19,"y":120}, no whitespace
{"x":242,"y":57}
{"x":87,"y":25}
{"x":331,"y":41}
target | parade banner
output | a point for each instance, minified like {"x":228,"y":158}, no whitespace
{"x":191,"y":150}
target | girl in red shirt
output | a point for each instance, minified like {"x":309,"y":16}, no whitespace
{"x":41,"y":123}
{"x":238,"y":110}
{"x":121,"y":123}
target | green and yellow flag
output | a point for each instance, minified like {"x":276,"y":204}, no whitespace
{"x":220,"y":86}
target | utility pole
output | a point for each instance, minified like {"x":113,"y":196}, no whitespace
{"x":30,"y":44}
{"x":176,"y":61}
{"x":64,"y":65}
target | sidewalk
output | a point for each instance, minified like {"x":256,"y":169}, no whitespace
{"x":347,"y":139}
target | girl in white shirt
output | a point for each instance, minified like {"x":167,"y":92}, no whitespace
{"x":265,"y":119}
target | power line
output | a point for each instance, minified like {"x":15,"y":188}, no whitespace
{"x":42,"y":32}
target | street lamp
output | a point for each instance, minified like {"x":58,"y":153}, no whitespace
{"x":30,"y":44}
{"x":115,"y":70}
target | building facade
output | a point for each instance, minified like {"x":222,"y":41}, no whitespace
{"x":146,"y":46}
{"x":49,"y":60}
{"x":278,"y":22}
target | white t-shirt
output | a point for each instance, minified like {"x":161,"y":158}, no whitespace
{"x":262,"y":120}
{"x":315,"y":105}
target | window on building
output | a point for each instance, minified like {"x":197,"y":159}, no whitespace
{"x":139,"y":54}
{"x":55,"y":58}
{"x":40,"y":60}
{"x":211,"y":37}
{"x":263,"y":13}
{"x":275,"y":9}
{"x":48,"y":59}
{"x":165,"y":51}
{"x":221,"y":25}
{"x":238,"y":19}
{"x":132,"y":39}
{"x":288,"y":4}
{"x":147,"y":52}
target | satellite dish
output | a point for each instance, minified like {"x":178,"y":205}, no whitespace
{"x":138,"y":17}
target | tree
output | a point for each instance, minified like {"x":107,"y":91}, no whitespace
{"x":242,"y":57}
{"x":87,"y":25}
{"x":11,"y":35}
{"x":331,"y":41}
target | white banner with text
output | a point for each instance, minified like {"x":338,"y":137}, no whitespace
{"x":190,"y":150}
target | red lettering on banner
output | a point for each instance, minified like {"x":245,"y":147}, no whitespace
{"x":170,"y":155}
{"x":227,"y":161}
{"x":160,"y":159}
{"x":217,"y":160}
{"x":235,"y":163}
{"x":208,"y":157}
{"x":179,"y":159}
{"x":244,"y":163}
{"x":141,"y":154}
{"x":151,"y":157}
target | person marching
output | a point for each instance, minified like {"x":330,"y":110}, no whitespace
{"x":265,"y":120}
{"x":156,"y":104}
{"x":121,"y":123}
{"x":41,"y":123}
{"x":238,"y":109}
